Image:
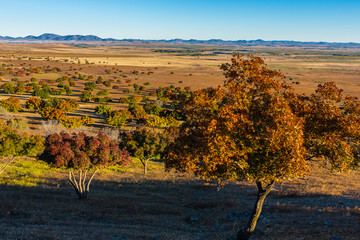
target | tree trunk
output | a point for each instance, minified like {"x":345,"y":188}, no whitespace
{"x":144,"y":163}
{"x":262,"y":193}
{"x":80,"y":186}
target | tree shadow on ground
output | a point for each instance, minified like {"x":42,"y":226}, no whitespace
{"x":142,"y":208}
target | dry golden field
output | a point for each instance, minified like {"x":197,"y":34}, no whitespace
{"x":123,"y":203}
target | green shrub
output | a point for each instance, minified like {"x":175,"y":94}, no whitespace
{"x":102,"y":93}
{"x":152,"y":108}
{"x":8,"y":87}
{"x":118,"y":118}
{"x":85,"y":96}
{"x":157,"y":121}
{"x":58,"y":91}
{"x":12,"y":104}
{"x":44,"y":94}
{"x":103,"y":110}
{"x":90,"y":86}
{"x":75,"y":122}
{"x":15,"y":144}
{"x":17,"y":123}
{"x":67,"y":89}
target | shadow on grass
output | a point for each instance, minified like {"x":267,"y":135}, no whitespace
{"x":142,"y":208}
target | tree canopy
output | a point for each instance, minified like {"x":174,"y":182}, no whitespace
{"x":143,"y":144}
{"x":257,"y":128}
{"x":15,"y":144}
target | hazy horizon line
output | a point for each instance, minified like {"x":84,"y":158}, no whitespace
{"x":179,"y":38}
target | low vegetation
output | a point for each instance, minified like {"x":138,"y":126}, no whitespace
{"x":256,"y":129}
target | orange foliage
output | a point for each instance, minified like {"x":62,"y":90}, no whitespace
{"x":257,"y":128}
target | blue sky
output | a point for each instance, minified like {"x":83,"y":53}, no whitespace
{"x":332,"y":20}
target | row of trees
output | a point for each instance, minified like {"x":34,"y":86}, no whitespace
{"x":80,"y":153}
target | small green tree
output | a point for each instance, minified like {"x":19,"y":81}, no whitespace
{"x":143,"y":144}
{"x":78,"y":152}
{"x":14,"y":144}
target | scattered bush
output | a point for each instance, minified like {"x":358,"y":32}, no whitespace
{"x":90,"y":86}
{"x":67,"y":105}
{"x":81,"y":152}
{"x":102,"y":93}
{"x":118,"y":118}
{"x":103,"y":110}
{"x":58,"y":91}
{"x":85,"y":96}
{"x":44,"y":94}
{"x":152,"y":108}
{"x":157,"y":121}
{"x":107,"y":83}
{"x":34,"y":103}
{"x":139,"y":112}
{"x":75,"y":122}
{"x":134,"y":99}
{"x":8,"y":87}
{"x":99,"y":80}
{"x":14,"y":144}
{"x":123,"y":100}
{"x":12,"y":104}
{"x":51,"y":113}
{"x":17,"y":123}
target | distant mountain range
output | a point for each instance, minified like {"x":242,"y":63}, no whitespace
{"x":54,"y":38}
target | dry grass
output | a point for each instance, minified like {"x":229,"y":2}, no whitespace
{"x":125,"y":204}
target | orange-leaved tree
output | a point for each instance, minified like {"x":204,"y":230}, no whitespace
{"x":258,"y":129}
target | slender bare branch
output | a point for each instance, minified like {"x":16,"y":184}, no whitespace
{"x":2,"y":169}
{"x":80,"y":182}
{"x":73,"y":183}
{"x":92,"y":176}
{"x":74,"y":179}
{"x":84,"y":181}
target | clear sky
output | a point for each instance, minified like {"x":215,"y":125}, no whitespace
{"x":307,"y":20}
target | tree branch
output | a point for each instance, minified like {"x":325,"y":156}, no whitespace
{"x":80,"y":182}
{"x":92,"y":176}
{"x":2,"y":169}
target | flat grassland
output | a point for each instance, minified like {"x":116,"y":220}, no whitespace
{"x":36,"y":202}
